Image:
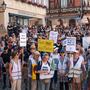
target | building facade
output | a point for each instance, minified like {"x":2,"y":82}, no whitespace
{"x":25,"y":12}
{"x":70,"y":11}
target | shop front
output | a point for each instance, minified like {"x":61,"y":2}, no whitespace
{"x":22,"y":20}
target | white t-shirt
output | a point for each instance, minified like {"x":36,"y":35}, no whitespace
{"x":48,"y":74}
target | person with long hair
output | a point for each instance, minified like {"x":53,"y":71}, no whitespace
{"x":15,"y":71}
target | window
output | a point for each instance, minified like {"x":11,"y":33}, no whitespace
{"x":85,"y":2}
{"x":26,"y":21}
{"x":71,"y":3}
{"x":37,"y":1}
{"x":21,"y":21}
{"x":64,"y":3}
{"x":51,"y":3}
{"x":46,"y":3}
{"x":42,"y":2}
{"x":56,"y":4}
{"x":33,"y":1}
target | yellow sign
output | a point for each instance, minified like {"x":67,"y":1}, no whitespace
{"x":34,"y":71}
{"x":45,"y":45}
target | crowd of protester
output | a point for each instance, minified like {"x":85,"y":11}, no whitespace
{"x":17,"y":62}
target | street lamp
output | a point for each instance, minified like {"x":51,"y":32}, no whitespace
{"x":2,"y":7}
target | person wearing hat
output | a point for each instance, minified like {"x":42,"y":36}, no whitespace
{"x":32,"y":50}
{"x":54,"y":60}
{"x":32,"y":53}
{"x":63,"y":68}
{"x":32,"y":70}
{"x":77,"y":70}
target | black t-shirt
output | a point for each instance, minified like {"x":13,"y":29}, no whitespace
{"x":5,"y":57}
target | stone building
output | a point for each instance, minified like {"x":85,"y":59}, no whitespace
{"x":25,"y":12}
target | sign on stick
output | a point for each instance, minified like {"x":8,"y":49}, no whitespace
{"x":23,"y":39}
{"x":71,"y":44}
{"x":45,"y":45}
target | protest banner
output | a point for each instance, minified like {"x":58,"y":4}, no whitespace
{"x":53,"y":36}
{"x":23,"y":39}
{"x":71,"y":44}
{"x":86,"y":42}
{"x":45,"y":45}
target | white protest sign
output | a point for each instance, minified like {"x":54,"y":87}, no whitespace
{"x":86,"y":42}
{"x":53,"y":36}
{"x":71,"y":44}
{"x":23,"y":39}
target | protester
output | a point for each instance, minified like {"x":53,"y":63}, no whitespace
{"x":35,"y":32}
{"x":63,"y":69}
{"x":25,"y":76}
{"x":9,"y":28}
{"x":77,"y":70}
{"x":6,"y":59}
{"x":15,"y":71}
{"x":54,"y":59}
{"x":44,"y":69}
{"x":32,"y":70}
{"x":1,"y":63}
{"x":88,"y":66}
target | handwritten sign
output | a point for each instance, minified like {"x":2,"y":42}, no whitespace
{"x":45,"y":45}
{"x":71,"y":44}
{"x":23,"y":39}
{"x":53,"y":36}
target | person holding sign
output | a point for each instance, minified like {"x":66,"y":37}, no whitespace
{"x":44,"y":70}
{"x":32,"y":70}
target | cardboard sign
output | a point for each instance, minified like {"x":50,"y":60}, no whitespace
{"x":86,"y":42}
{"x":71,"y":44}
{"x":53,"y":36}
{"x":23,"y":39}
{"x":45,"y":45}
